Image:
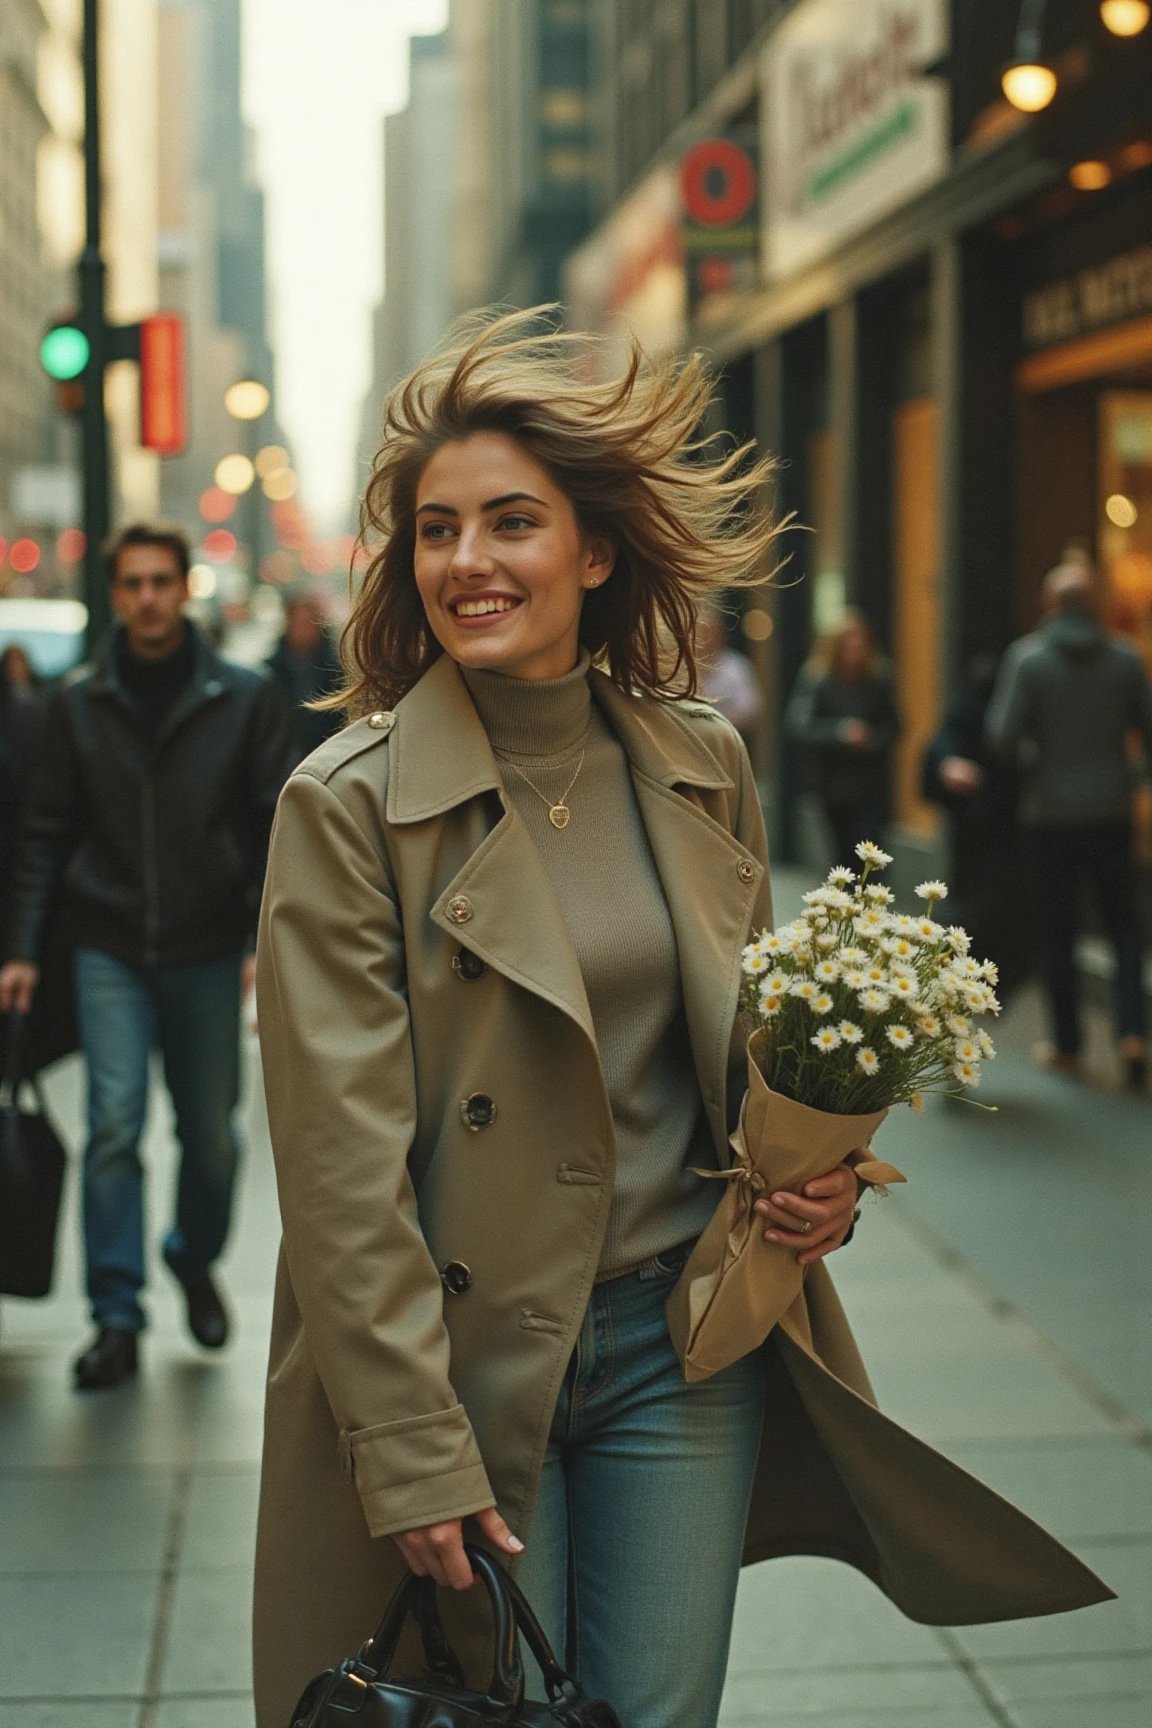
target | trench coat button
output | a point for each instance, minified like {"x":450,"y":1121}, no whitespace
{"x":456,"y":1278}
{"x":468,"y":966}
{"x":477,"y":1112}
{"x":460,"y":909}
{"x":746,"y":870}
{"x":382,"y":722}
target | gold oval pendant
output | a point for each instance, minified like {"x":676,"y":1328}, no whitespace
{"x":559,"y":815}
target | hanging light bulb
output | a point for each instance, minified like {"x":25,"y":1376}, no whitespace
{"x":1029,"y":86}
{"x":1125,"y":17}
{"x":1028,"y":83}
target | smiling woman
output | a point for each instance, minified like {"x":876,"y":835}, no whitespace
{"x":508,"y":481}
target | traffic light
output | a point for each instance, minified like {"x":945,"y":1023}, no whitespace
{"x":64,"y":355}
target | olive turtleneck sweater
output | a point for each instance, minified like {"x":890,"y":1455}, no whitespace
{"x":606,"y":880}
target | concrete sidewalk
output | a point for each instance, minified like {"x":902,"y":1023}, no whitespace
{"x":126,"y":1519}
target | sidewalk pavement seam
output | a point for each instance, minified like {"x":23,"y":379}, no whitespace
{"x":1086,"y":1384}
{"x":971,"y":1672}
{"x":166,"y":1595}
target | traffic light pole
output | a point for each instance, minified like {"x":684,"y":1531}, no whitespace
{"x":94,"y":425}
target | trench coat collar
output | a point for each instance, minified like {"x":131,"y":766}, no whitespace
{"x":442,"y":757}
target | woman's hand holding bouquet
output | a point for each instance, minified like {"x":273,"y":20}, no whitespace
{"x":852,"y":1008}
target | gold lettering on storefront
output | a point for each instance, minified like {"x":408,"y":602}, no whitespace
{"x":1105,"y":294}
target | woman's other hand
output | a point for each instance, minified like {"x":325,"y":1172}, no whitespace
{"x":436,"y":1551}
{"x":826,"y":1203}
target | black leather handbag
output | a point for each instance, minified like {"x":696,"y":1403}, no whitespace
{"x":32,"y":1165}
{"x":360,"y":1694}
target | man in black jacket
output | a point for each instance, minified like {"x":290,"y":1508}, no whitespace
{"x":151,"y":808}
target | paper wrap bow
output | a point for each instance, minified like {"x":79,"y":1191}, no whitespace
{"x":736,"y":1286}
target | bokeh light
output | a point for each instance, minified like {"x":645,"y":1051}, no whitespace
{"x":247,"y":400}
{"x":216,"y":505}
{"x":24,"y":556}
{"x":279,"y":485}
{"x":272,"y":456}
{"x":71,"y":545}
{"x":202,"y":581}
{"x":220,"y":545}
{"x":1125,"y":17}
{"x":234,"y":474}
{"x":1120,"y":510}
{"x":1090,"y":176}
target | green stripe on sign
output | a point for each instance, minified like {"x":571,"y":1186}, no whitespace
{"x":901,"y":123}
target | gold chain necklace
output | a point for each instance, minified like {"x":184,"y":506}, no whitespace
{"x":558,"y":814}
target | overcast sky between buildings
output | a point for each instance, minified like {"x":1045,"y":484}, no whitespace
{"x":319,"y":75}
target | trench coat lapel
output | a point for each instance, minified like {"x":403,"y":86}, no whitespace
{"x":702,"y":869}
{"x":440,"y":759}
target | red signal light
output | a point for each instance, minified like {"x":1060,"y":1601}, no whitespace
{"x":24,"y":556}
{"x":163,"y":387}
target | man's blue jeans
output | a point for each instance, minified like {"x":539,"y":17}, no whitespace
{"x":192,"y":1012}
{"x":633,"y":1554}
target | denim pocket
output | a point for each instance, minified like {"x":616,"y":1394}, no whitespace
{"x":670,"y":1263}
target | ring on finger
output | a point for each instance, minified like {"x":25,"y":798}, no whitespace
{"x":806,"y":1227}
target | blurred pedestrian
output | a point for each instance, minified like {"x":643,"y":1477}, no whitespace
{"x":726,"y":677}
{"x":1065,"y":702}
{"x":306,"y":665}
{"x":22,"y":707}
{"x":978,"y":790}
{"x":843,"y":714}
{"x":151,"y":805}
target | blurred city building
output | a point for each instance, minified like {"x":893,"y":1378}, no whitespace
{"x":183,"y":220}
{"x":936,"y":308}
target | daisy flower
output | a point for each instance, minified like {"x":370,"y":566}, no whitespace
{"x":878,"y":894}
{"x":904,"y":989}
{"x":928,"y":1026}
{"x":904,"y":924}
{"x":967,"y":1050}
{"x":917,"y":1102}
{"x":771,"y":1003}
{"x":987,"y":1048}
{"x":856,"y":979}
{"x":850,"y":1032}
{"x":815,"y":896}
{"x":959,"y":938}
{"x":840,"y":876}
{"x":876,"y":974}
{"x":826,"y":1039}
{"x":929,"y":931}
{"x":827,"y":971}
{"x":869,"y":853}
{"x":755,"y":962}
{"x":900,"y":948}
{"x":869,"y":922}
{"x":899,"y":1037}
{"x":959,"y":1025}
{"x":968,"y":1073}
{"x":776,"y":983}
{"x":826,"y":943}
{"x":867,"y":1060}
{"x":837,"y":901}
{"x":822,"y":1004}
{"x":804,"y":989}
{"x":772,"y":944}
{"x":932,"y":891}
{"x":853,"y":957}
{"x":873,"y":1001}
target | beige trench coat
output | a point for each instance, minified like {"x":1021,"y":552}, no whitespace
{"x":394,"y":1401}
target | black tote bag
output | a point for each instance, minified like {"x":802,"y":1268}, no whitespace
{"x":361,"y":1692}
{"x":32,"y":1165}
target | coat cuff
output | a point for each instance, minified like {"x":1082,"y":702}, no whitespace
{"x":423,"y":1470}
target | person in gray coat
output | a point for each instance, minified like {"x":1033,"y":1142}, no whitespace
{"x":1066,"y":701}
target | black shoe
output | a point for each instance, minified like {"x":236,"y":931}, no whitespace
{"x":207,"y":1315}
{"x":108,"y":1361}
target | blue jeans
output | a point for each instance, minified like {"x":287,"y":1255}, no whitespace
{"x":633,"y":1554}
{"x":192,"y":1012}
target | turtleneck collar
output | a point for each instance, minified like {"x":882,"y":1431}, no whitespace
{"x":526,"y":717}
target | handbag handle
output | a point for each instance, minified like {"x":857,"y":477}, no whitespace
{"x":510,"y":1612}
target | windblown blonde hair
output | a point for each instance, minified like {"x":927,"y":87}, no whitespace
{"x":684,"y":516}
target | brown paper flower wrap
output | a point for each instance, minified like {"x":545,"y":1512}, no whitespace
{"x":736,"y":1286}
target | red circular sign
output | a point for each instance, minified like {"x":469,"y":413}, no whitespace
{"x":717,"y":183}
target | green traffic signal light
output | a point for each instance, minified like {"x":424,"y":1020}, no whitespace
{"x":64,"y":352}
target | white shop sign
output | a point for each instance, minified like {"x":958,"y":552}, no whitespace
{"x":850,"y":125}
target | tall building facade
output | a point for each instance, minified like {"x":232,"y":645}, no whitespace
{"x":937,"y":310}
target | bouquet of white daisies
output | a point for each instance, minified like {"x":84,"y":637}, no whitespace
{"x":852,"y":1008}
{"x":861,"y":1007}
